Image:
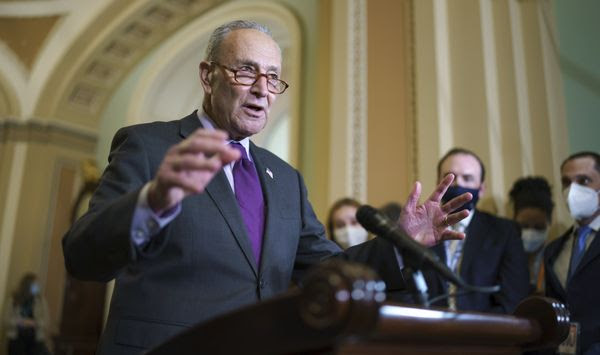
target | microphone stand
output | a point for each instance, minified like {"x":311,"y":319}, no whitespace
{"x":415,"y":282}
{"x":416,"y":285}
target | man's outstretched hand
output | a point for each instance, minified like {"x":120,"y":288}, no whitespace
{"x":428,"y":223}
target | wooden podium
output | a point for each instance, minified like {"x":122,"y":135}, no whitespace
{"x":341,"y":310}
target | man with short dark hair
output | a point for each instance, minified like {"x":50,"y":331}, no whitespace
{"x":572,"y":262}
{"x":193,"y":220}
{"x":491,"y":253}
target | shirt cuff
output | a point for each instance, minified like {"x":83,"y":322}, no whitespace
{"x":399,"y":258}
{"x":146,"y":224}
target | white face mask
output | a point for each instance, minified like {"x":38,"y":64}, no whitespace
{"x":582,"y":201}
{"x":533,"y":239}
{"x":350,"y":235}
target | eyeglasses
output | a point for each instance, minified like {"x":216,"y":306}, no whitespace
{"x":248,"y":77}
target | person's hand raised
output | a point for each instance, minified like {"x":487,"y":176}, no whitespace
{"x":188,"y":167}
{"x":428,"y":223}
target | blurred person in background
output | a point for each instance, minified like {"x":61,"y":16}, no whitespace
{"x":342,"y":226}
{"x":532,"y":205}
{"x":26,"y":319}
{"x":391,"y":210}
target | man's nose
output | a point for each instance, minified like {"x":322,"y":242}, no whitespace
{"x":260,"y":87}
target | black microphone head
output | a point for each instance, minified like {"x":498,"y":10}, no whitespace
{"x":373,"y":220}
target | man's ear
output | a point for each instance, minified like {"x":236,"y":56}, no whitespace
{"x":481,"y":190}
{"x":205,"y":76}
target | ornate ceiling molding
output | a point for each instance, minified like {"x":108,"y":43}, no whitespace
{"x":36,"y":131}
{"x":26,"y":83}
{"x":104,"y":54}
{"x":35,"y":8}
{"x":357,"y":98}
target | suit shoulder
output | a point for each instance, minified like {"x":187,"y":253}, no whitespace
{"x":556,"y":242}
{"x":496,"y":220}
{"x":272,"y":159}
{"x":150,"y":127}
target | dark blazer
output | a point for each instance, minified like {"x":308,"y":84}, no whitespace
{"x":492,"y":255}
{"x":200,"y":265}
{"x":379,"y":254}
{"x":582,"y":295}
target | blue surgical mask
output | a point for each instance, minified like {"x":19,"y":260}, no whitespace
{"x":35,"y":289}
{"x":455,"y":191}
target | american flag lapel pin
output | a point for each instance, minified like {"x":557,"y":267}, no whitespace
{"x":269,"y":172}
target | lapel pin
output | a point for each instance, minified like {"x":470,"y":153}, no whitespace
{"x":269,"y":172}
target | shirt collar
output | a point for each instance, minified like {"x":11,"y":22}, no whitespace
{"x":209,"y":125}
{"x":595,"y":224}
{"x":464,"y":223}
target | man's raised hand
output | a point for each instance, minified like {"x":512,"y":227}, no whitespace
{"x":188,"y":167}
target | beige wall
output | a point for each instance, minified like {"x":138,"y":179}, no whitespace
{"x":391,"y":135}
{"x":36,"y":208}
{"x":315,"y":142}
{"x":487,"y":79}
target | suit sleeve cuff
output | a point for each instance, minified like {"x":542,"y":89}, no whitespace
{"x":146,"y":224}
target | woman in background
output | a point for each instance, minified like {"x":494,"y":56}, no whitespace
{"x":342,"y":226}
{"x":532,"y":202}
{"x":26,"y":319}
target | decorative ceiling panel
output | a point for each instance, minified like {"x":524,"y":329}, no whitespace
{"x":26,"y":36}
{"x":123,"y":48}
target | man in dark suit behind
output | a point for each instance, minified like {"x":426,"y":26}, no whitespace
{"x":193,"y":220}
{"x":572,"y":262}
{"x":491,"y":253}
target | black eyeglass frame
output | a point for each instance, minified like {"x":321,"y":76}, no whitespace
{"x":270,"y":87}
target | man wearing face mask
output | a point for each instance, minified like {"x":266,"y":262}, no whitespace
{"x":572,"y":261}
{"x":491,"y":253}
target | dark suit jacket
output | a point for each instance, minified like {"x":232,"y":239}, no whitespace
{"x":492,"y":255}
{"x":379,"y":254}
{"x":582,"y":295}
{"x":200,"y":265}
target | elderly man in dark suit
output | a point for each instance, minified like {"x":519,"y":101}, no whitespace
{"x":193,"y":220}
{"x":572,"y":262}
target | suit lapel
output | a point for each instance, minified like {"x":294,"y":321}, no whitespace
{"x":221,"y":194}
{"x":552,"y":255}
{"x":189,"y":124}
{"x":472,"y":242}
{"x":440,"y":250}
{"x":591,"y":253}
{"x":269,"y":193}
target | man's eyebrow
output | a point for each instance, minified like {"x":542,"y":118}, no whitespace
{"x":254,"y":64}
{"x":583,"y":176}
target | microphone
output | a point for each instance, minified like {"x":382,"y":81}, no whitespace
{"x":414,"y":253}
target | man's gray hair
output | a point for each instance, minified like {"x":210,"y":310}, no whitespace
{"x":214,"y":42}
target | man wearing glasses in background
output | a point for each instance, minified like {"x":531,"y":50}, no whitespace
{"x":193,"y":220}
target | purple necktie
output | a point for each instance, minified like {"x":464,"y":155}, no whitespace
{"x":248,"y":193}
